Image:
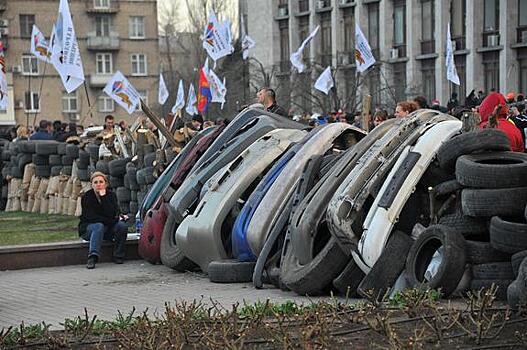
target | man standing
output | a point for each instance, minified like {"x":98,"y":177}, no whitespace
{"x":45,"y":131}
{"x":267,"y":97}
{"x":109,"y":123}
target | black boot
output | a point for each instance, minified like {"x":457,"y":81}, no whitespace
{"x":91,"y":262}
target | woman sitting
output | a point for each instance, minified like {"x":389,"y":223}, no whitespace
{"x":100,"y":220}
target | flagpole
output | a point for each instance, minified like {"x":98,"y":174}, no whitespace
{"x":40,"y":92}
{"x":388,"y":85}
{"x":29,"y":89}
{"x":90,"y":109}
{"x":88,"y":99}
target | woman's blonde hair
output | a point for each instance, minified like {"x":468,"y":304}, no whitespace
{"x":97,"y":174}
{"x":22,"y":132}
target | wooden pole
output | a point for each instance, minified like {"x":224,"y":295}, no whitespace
{"x":159,"y":125}
{"x":366,"y":109}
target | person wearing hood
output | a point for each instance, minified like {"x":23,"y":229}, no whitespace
{"x":495,"y":103}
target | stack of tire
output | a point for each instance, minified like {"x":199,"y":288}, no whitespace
{"x":487,"y":225}
{"x":5,"y":156}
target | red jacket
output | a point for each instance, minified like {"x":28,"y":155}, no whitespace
{"x":487,"y":108}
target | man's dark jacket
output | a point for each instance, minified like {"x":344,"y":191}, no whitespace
{"x":276,"y":109}
{"x":106,"y":211}
{"x":41,"y":135}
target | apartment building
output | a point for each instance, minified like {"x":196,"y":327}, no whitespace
{"x":408,"y":38}
{"x":112,"y":35}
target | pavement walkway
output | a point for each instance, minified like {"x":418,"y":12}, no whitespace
{"x":55,"y":293}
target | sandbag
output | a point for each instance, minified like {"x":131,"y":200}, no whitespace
{"x":29,"y":172}
{"x":44,"y":206}
{"x":30,"y":204}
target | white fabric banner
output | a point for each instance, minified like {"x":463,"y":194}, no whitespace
{"x":217,"y":38}
{"x":163,"y":91}
{"x":68,"y":63}
{"x":217,"y":87}
{"x":39,"y":45}
{"x":191,"y":101}
{"x":3,"y":79}
{"x":451,"y":71}
{"x":296,"y":57}
{"x":180,"y":100}
{"x":363,"y":55}
{"x":325,"y":81}
{"x":122,"y":92}
{"x":70,"y":83}
{"x":247,"y":42}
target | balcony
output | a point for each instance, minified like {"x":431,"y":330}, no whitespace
{"x":427,"y":47}
{"x":99,"y":80}
{"x":303,"y":6}
{"x":100,"y":43}
{"x":521,"y":35}
{"x":491,"y":38}
{"x":460,"y":43}
{"x":322,"y":5}
{"x":283,"y":11}
{"x":345,"y":58}
{"x":97,"y":6}
{"x":346,"y":3}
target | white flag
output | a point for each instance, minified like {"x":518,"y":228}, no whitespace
{"x":39,"y":45}
{"x":325,"y":82}
{"x":363,"y":55}
{"x":163,"y":91}
{"x":122,"y":92}
{"x":191,"y":101}
{"x":451,"y":71}
{"x":296,"y":57}
{"x":216,"y":38}
{"x":180,"y":100}
{"x":247,"y":42}
{"x":68,"y":58}
{"x":217,"y":87}
{"x":3,"y":79}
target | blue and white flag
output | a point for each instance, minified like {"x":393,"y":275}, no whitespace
{"x":296,"y":57}
{"x":451,"y":71}
{"x":163,"y":91}
{"x":363,"y":55}
{"x":217,"y":38}
{"x":180,"y":99}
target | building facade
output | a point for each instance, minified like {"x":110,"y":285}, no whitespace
{"x":112,"y":35}
{"x":408,"y":38}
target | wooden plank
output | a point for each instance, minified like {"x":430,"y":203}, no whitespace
{"x":366,"y":109}
{"x":159,"y":125}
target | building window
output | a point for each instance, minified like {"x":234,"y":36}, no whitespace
{"x":427,"y":26}
{"x":491,"y":71}
{"x":303,"y":32}
{"x":458,"y":12}
{"x":29,"y":65}
{"x":32,"y":103}
{"x":325,"y":39}
{"x":348,"y":30}
{"x":399,"y":23}
{"x":461,"y":90}
{"x":105,"y":104}
{"x":26,"y":25}
{"x":523,"y":74}
{"x":101,"y":4}
{"x":104,"y":63}
{"x":138,"y":64}
{"x":102,"y":25}
{"x":137,"y":27}
{"x":399,"y":79}
{"x":374,"y":86}
{"x":491,"y":19}
{"x":429,"y":81}
{"x":303,"y":6}
{"x":283,"y":27}
{"x":373,"y":28}
{"x":69,"y":105}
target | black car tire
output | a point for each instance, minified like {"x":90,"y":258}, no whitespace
{"x":493,"y":271}
{"x":508,"y":236}
{"x":471,"y":142}
{"x":348,"y":280}
{"x":492,"y":170}
{"x":452,"y":266}
{"x":516,"y":261}
{"x":231,"y":271}
{"x":483,"y":253}
{"x":72,"y":151}
{"x":171,"y":255}
{"x":509,"y":202}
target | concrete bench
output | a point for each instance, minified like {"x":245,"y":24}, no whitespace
{"x":59,"y":254}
